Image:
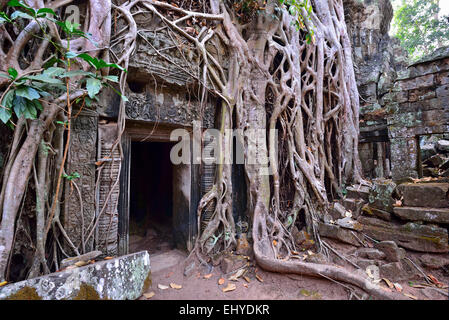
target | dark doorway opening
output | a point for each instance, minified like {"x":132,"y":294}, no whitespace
{"x":151,"y":198}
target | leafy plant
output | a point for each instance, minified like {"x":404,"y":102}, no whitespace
{"x":296,"y":8}
{"x":25,"y":92}
{"x":420,"y":27}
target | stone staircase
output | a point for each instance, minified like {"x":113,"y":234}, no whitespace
{"x":419,"y":223}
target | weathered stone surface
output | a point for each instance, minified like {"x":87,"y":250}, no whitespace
{"x":433,"y":261}
{"x":358,"y":192}
{"x":392,"y":271}
{"x":337,"y":211}
{"x":231,"y":263}
{"x":431,"y":195}
{"x":411,"y":235}
{"x":243,"y":246}
{"x":189,"y":269}
{"x":434,"y":215}
{"x":338,"y":233}
{"x":364,"y":263}
{"x":370,"y":253}
{"x":381,"y":194}
{"x":84,"y":257}
{"x":373,"y":212}
{"x":391,"y":250}
{"x":122,"y":278}
{"x":443,"y":145}
{"x":354,"y":206}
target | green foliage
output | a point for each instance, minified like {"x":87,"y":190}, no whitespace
{"x":420,"y":27}
{"x":25,"y":92}
{"x":297,"y":8}
{"x":74,"y":175}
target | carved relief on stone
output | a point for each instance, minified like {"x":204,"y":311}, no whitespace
{"x":81,"y":160}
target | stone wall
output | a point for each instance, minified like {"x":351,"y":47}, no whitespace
{"x":377,"y":60}
{"x":417,"y":105}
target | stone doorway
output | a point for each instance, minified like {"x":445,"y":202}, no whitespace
{"x":151,"y":197}
{"x":157,"y":206}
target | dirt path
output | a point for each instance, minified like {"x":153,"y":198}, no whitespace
{"x":168,"y":267}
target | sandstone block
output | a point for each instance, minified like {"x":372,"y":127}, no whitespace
{"x":411,"y":235}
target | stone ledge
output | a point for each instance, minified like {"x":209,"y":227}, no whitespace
{"x":434,"y":215}
{"x":122,"y":278}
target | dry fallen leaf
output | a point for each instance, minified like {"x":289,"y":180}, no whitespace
{"x":410,"y":296}
{"x":237,"y":275}
{"x":3,"y":283}
{"x":207,"y":276}
{"x":162,"y":287}
{"x":247,"y":279}
{"x":108,"y":258}
{"x":80,"y":263}
{"x":149,"y":295}
{"x":221,"y":281}
{"x":259,"y":278}
{"x":230,"y":287}
{"x":175,"y":286}
{"x":275,"y":243}
{"x":388,"y":282}
{"x":245,"y":285}
{"x":398,"y":203}
{"x":435,"y":281}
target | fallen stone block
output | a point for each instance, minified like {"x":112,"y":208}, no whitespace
{"x":354,"y":206}
{"x":411,"y":235}
{"x":358,"y":192}
{"x":391,"y":250}
{"x":232,"y":262}
{"x":370,"y":253}
{"x":122,"y":278}
{"x":381,"y":195}
{"x":338,"y":233}
{"x":429,"y":195}
{"x":337,"y":211}
{"x":433,"y":261}
{"x":373,"y":212}
{"x":443,"y":145}
{"x":434,"y":215}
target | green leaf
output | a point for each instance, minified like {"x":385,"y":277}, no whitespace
{"x":93,"y":86}
{"x":30,"y":111}
{"x":75,"y":73}
{"x":4,"y":18}
{"x":111,"y":78}
{"x":37,"y":105}
{"x":54,"y":71}
{"x":13,"y":73}
{"x":28,"y":92}
{"x":5,"y":108}
{"x":43,"y":12}
{"x":45,"y":78}
{"x":19,"y":105}
{"x":20,"y":14}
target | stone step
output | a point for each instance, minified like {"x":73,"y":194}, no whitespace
{"x":354,"y":206}
{"x":358,"y":192}
{"x":428,"y":195}
{"x":434,"y":215}
{"x":411,"y":235}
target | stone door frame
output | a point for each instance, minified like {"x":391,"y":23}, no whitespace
{"x":153,"y":132}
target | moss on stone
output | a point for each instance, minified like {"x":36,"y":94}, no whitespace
{"x":147,"y":283}
{"x":87,"y":292}
{"x":26,"y":293}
